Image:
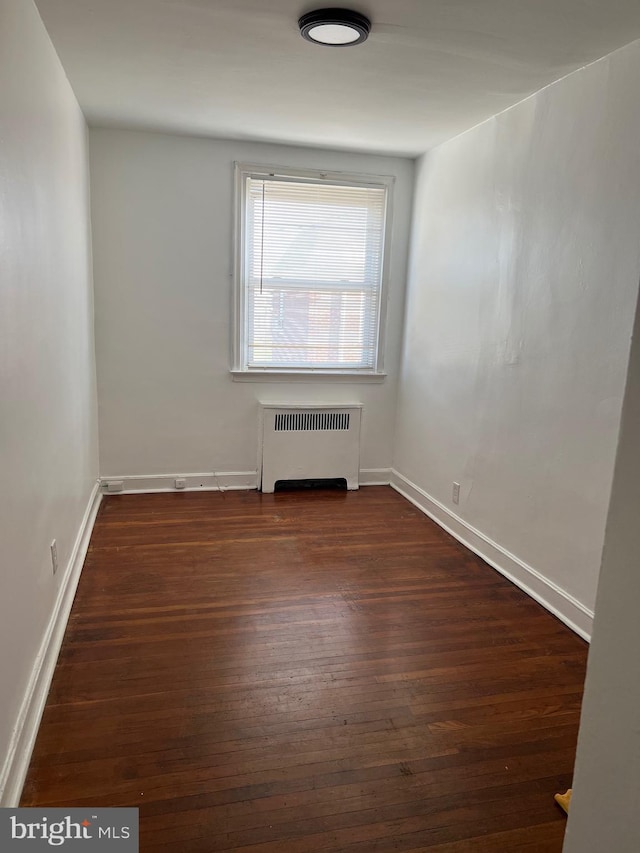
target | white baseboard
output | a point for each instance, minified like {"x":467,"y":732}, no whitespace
{"x":134,"y":484}
{"x":375,"y":476}
{"x":220,"y":481}
{"x":555,"y":599}
{"x":16,"y":765}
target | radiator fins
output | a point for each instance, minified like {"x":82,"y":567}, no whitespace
{"x":303,"y":421}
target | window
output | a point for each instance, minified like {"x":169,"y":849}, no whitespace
{"x":309,"y":271}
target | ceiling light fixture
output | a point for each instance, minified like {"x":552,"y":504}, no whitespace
{"x":334,"y":27}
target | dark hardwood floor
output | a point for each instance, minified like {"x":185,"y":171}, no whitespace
{"x":301,"y":672}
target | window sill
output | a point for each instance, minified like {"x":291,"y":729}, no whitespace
{"x":305,"y":376}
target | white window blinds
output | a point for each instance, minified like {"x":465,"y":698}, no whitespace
{"x":313,"y":257}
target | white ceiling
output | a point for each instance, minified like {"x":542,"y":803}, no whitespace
{"x":239,"y":68}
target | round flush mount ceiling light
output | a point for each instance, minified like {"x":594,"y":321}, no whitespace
{"x":334,"y":27}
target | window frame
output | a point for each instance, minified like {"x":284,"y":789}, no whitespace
{"x":239,"y":369}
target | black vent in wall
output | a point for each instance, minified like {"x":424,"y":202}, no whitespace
{"x":312,"y":421}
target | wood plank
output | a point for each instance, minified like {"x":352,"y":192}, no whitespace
{"x":307,"y":671}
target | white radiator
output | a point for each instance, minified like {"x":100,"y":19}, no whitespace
{"x":310,"y":442}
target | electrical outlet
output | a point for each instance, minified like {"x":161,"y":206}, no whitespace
{"x":456,"y":493}
{"x":180,"y":483}
{"x":54,"y":556}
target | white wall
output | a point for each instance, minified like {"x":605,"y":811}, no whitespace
{"x":523,"y":278}
{"x":48,"y":436}
{"x":162,"y":209}
{"x":606,"y":787}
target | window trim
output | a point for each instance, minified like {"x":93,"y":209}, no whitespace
{"x":239,"y":369}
